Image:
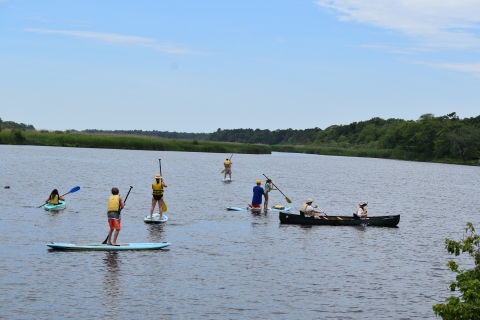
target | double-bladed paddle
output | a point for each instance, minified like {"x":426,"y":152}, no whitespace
{"x":74,"y":189}
{"x":223,"y":171}
{"x":286,"y":198}
{"x":119,"y":211}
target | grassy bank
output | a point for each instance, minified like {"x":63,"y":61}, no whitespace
{"x":384,"y":154}
{"x":84,"y":140}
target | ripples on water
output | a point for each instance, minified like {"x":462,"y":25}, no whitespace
{"x":221,"y":264}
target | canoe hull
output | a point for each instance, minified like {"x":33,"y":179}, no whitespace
{"x":105,"y":247}
{"x":60,"y":206}
{"x":378,"y":221}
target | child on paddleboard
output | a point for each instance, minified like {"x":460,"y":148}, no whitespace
{"x":115,"y":205}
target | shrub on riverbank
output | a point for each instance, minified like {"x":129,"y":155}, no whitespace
{"x":83,"y":140}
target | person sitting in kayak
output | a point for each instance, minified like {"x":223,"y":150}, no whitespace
{"x":309,"y":211}
{"x":361,"y":211}
{"x":115,"y":206}
{"x":268,"y":187}
{"x":228,"y":169}
{"x":157,"y":195}
{"x":258,"y":192}
{"x":54,"y":197}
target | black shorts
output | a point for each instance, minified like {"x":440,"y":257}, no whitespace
{"x":157,"y":197}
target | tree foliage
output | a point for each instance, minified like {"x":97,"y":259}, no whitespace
{"x":467,"y":305}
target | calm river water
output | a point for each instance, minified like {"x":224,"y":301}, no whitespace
{"x":221,"y":264}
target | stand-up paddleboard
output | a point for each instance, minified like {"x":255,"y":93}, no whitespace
{"x":106,"y":247}
{"x":255,"y":210}
{"x":156,"y":218}
{"x":234,"y":209}
{"x":55,"y":207}
{"x":279,"y":208}
{"x":227,"y":180}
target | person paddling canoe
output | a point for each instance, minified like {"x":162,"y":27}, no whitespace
{"x":115,"y":205}
{"x":361,"y":211}
{"x":54,"y":197}
{"x":309,"y":211}
{"x":157,"y":195}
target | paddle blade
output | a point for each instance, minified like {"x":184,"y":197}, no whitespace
{"x":164,"y":207}
{"x":74,"y":189}
{"x":223,"y":171}
{"x":288,"y":200}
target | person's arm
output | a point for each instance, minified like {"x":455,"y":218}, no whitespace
{"x":164,"y":184}
{"x":61,"y":198}
{"x":120,"y":201}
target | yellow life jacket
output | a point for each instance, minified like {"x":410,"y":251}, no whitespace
{"x":157,"y":188}
{"x":114,"y":203}
{"x":54,"y":201}
{"x":227,"y":164}
{"x":364,"y":214}
{"x":304,"y":209}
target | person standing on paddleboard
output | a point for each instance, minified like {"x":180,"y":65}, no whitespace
{"x":228,"y":169}
{"x":258,"y":192}
{"x":268,"y":187}
{"x":115,"y":205}
{"x":54,"y":197}
{"x":157,"y":195}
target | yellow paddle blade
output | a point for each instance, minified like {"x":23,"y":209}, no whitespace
{"x":164,"y":207}
{"x":288,"y":200}
{"x":223,"y":171}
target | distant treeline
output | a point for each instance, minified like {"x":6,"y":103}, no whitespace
{"x":14,"y":125}
{"x":445,"y":138}
{"x":154,"y":133}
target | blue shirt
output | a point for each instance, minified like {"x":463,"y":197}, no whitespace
{"x":257,"y":195}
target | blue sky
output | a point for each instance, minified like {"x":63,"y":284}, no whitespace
{"x":195,"y":66}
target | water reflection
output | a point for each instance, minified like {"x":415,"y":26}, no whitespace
{"x":111,"y":281}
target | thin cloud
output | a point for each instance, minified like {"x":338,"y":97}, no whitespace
{"x":435,"y":23}
{"x":470,"y":68}
{"x":120,"y":39}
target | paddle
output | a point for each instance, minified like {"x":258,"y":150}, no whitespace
{"x":286,"y":198}
{"x":164,"y":205}
{"x":223,"y":171}
{"x":328,"y":218}
{"x":119,"y":211}
{"x":74,"y":189}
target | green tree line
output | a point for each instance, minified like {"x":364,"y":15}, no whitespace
{"x":429,"y":138}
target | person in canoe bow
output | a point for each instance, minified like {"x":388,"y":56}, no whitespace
{"x":115,"y":205}
{"x":54,"y":197}
{"x":268,"y":187}
{"x":258,"y":192}
{"x":228,"y":169}
{"x":310,"y":211}
{"x":361,"y":211}
{"x":157,"y":195}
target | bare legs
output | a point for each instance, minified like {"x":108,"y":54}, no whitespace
{"x":115,"y":236}
{"x":160,"y":207}
{"x":265,"y":205}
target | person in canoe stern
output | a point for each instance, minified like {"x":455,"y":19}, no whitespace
{"x":115,"y":205}
{"x":157,"y":195}
{"x":54,"y":197}
{"x":228,"y":169}
{"x":361,"y":211}
{"x":258,"y":192}
{"x":268,"y":187}
{"x":309,"y":211}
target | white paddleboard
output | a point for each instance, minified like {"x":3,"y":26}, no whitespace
{"x":156,"y":218}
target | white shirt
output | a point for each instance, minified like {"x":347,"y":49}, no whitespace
{"x":360,"y":211}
